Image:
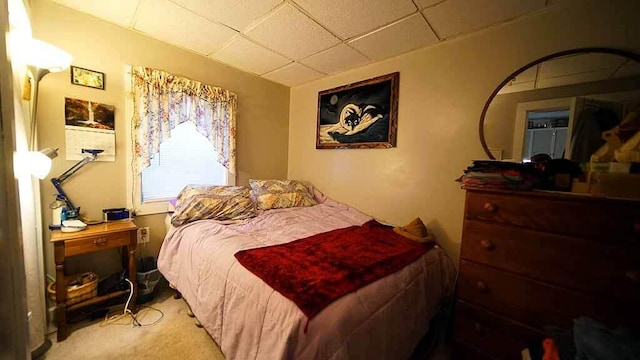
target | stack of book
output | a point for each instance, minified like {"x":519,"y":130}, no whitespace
{"x":500,"y":175}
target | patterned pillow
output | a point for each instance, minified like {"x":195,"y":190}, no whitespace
{"x":277,"y":194}
{"x":196,"y":202}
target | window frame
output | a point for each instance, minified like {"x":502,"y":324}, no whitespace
{"x":134,"y":182}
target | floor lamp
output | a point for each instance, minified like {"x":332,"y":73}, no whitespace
{"x":41,"y":58}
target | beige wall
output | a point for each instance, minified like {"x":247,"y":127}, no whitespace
{"x":96,"y":44}
{"x":442,"y":92}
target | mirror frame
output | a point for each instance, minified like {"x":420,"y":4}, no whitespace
{"x":612,"y":51}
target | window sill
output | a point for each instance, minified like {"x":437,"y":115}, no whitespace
{"x":152,"y":208}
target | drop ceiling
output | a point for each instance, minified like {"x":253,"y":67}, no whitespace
{"x":573,"y":70}
{"x":295,"y":41}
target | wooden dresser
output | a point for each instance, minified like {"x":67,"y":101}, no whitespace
{"x":530,"y":260}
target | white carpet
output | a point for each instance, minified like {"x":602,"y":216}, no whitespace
{"x":174,"y":337}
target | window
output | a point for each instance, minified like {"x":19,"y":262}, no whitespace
{"x":185,"y":158}
{"x":181,"y":132}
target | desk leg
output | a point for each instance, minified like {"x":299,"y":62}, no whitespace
{"x":61,"y":291}
{"x":131,"y":268}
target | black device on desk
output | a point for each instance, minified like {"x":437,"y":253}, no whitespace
{"x":115,"y":214}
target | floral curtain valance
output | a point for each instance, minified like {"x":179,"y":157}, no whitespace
{"x":162,"y":101}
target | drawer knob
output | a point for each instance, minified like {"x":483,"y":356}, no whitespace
{"x":100,"y":242}
{"x":490,"y":207}
{"x":633,"y":276}
{"x":487,"y":244}
{"x":482,"y":286}
{"x":478,"y":328}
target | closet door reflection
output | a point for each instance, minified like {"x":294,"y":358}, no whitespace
{"x":593,"y":117}
{"x":546,"y":133}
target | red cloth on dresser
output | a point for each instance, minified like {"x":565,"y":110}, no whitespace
{"x":315,"y":271}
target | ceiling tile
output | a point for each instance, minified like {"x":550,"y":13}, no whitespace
{"x":338,"y":58}
{"x":350,"y":18}
{"x":574,"y":79}
{"x":251,"y":57}
{"x":454,"y":17}
{"x":582,"y":63}
{"x":120,"y":12}
{"x":406,"y":35}
{"x":526,"y":80}
{"x":291,"y":33}
{"x":233,"y":13}
{"x":529,"y":74}
{"x":426,"y":3}
{"x":171,"y":23}
{"x":517,"y":87}
{"x":293,"y":74}
{"x":630,"y":68}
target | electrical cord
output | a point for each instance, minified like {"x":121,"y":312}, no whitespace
{"x":112,"y":320}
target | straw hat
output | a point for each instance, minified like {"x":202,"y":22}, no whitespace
{"x":415,"y":231}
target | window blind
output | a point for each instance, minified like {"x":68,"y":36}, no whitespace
{"x":185,"y":158}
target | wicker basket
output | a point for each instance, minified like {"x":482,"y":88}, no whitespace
{"x":80,"y":287}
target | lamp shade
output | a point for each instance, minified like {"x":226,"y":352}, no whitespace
{"x":40,"y":162}
{"x":43,"y":55}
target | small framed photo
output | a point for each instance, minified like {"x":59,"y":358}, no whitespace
{"x":85,"y":77}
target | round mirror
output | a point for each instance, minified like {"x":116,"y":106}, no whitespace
{"x":559,"y":105}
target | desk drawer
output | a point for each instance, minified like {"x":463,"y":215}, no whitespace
{"x":96,"y":243}
{"x":492,"y":334}
{"x":527,"y":301}
{"x":577,"y":217}
{"x":592,"y":265}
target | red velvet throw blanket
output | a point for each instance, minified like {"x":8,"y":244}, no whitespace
{"x":315,"y":271}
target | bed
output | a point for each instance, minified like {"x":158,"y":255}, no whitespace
{"x":249,"y":320}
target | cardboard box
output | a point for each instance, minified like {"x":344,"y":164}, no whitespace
{"x":615,"y":185}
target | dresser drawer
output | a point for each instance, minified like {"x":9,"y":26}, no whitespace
{"x":618,"y":221}
{"x":531,"y":302}
{"x":492,"y":334}
{"x":96,"y":243}
{"x":584,"y":264}
{"x":462,"y":351}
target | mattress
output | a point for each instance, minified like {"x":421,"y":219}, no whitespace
{"x":249,"y":320}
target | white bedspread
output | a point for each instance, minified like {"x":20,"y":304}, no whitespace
{"x":249,"y":320}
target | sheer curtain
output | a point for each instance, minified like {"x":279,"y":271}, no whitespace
{"x":163,"y":100}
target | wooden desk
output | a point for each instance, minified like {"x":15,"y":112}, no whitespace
{"x":93,"y":238}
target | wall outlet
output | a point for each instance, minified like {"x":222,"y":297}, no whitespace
{"x":143,"y":235}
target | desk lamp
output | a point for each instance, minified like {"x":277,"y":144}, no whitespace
{"x":72,"y":211}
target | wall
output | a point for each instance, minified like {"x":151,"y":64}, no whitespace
{"x":442,"y":91}
{"x":96,"y":44}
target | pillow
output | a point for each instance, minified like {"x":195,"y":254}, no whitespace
{"x":278,"y":194}
{"x":213,"y":202}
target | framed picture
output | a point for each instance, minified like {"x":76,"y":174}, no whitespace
{"x":89,"y":114}
{"x":86,"y":77}
{"x":89,"y":125}
{"x":359,"y":115}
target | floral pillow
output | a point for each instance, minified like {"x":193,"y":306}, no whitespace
{"x":278,"y":194}
{"x":197,"y":202}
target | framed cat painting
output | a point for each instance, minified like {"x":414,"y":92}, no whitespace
{"x":359,"y":115}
